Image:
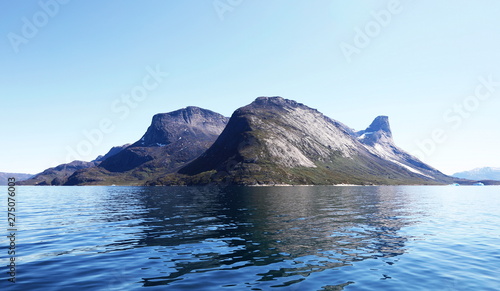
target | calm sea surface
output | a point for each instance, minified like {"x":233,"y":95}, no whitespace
{"x":255,"y":238}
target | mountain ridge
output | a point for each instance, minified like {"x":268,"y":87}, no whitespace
{"x":482,"y":173}
{"x":171,"y":140}
{"x":271,"y":141}
{"x":279,"y":141}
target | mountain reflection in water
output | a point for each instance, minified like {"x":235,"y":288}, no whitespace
{"x":257,"y":238}
{"x":293,"y":231}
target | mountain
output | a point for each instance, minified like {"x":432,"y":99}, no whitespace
{"x":278,"y":141}
{"x":172,"y":140}
{"x":113,"y":151}
{"x":377,"y":139}
{"x":17,"y":176}
{"x":58,"y":175}
{"x":486,"y":173}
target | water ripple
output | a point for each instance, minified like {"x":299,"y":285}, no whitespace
{"x":244,"y":238}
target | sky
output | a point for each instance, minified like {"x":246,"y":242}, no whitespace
{"x":79,"y":77}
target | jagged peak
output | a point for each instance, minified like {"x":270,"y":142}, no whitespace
{"x":379,"y":131}
{"x":272,"y":135}
{"x":380,"y":123}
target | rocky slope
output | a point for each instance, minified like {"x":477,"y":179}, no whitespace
{"x":172,"y":140}
{"x":377,"y":139}
{"x":279,"y":141}
{"x":59,"y":175}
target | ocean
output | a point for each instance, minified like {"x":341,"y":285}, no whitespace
{"x":253,"y":238}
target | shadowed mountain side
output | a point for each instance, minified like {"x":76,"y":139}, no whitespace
{"x":279,"y":141}
{"x":58,"y":175}
{"x":172,"y":140}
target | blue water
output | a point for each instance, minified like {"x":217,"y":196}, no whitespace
{"x":255,"y":238}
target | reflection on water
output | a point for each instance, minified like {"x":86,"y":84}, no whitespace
{"x":296,"y":230}
{"x":208,"y":238}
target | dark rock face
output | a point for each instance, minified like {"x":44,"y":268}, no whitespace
{"x":190,"y":122}
{"x":279,"y":141}
{"x":127,"y":160}
{"x":380,"y":124}
{"x":378,"y":130}
{"x":113,"y":151}
{"x":172,"y":140}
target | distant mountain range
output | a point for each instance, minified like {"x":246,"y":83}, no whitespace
{"x":486,"y":173}
{"x":272,"y":141}
{"x":18,"y":176}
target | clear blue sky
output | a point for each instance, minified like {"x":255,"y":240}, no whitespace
{"x":64,"y":69}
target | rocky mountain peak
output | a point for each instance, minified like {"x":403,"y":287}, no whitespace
{"x":169,"y":127}
{"x":276,"y":133}
{"x":190,"y":114}
{"x":381,"y":123}
{"x":379,"y":131}
{"x":278,"y":141}
{"x":270,"y":141}
{"x":275,"y":102}
{"x":172,"y":139}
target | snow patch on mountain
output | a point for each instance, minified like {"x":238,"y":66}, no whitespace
{"x":411,"y":169}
